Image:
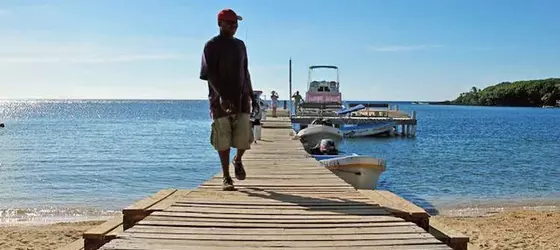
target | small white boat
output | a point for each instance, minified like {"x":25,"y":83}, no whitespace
{"x":367,"y":129}
{"x":370,"y":129}
{"x":360,"y":171}
{"x":311,"y":136}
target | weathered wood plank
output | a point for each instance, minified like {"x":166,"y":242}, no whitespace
{"x":261,"y":217}
{"x":154,"y":243}
{"x":101,"y":234}
{"x":399,"y":206}
{"x":324,"y":203}
{"x":274,"y":220}
{"x":141,"y":209}
{"x":359,"y":211}
{"x":279,"y":207}
{"x":250,"y":238}
{"x":299,"y":189}
{"x":406,"y":228}
{"x":178,"y":223}
{"x":288,"y":182}
{"x":454,"y":239}
{"x":280,"y":197}
{"x":285,"y":185}
{"x":167,"y":202}
{"x":104,"y":228}
{"x":401,"y":247}
{"x":293,"y":197}
{"x":142,"y":205}
{"x":265,"y":175}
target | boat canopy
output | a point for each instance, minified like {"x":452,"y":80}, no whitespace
{"x":324,"y":90}
{"x":350,"y":110}
{"x":322,"y":66}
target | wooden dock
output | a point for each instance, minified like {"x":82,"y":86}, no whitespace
{"x":287,"y":201}
{"x":356,"y":120}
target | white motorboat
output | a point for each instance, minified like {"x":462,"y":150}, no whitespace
{"x":370,"y":129}
{"x":311,"y":136}
{"x":323,"y":91}
{"x":367,"y":129}
{"x":360,"y":171}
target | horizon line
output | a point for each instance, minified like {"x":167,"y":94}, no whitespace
{"x":173,"y":99}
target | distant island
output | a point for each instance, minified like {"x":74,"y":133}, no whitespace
{"x":531,"y":93}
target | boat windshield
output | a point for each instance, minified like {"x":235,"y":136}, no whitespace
{"x":323,"y":78}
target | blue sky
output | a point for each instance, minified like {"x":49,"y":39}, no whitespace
{"x":386,"y":50}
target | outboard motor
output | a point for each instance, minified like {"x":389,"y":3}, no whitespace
{"x":328,"y":147}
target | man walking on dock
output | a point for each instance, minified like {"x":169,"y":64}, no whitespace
{"x":225,"y":68}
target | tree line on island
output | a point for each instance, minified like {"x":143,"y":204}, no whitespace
{"x":530,"y":93}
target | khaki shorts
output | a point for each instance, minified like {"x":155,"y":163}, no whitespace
{"x":232,"y":131}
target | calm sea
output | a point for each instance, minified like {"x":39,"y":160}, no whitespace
{"x":64,"y":159}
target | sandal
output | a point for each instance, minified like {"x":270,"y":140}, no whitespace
{"x":239,"y":170}
{"x":227,"y":184}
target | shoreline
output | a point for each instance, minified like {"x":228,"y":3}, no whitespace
{"x":448,"y":208}
{"x":475,"y":207}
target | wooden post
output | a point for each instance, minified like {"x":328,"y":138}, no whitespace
{"x":139,"y":210}
{"x":403,"y":130}
{"x":290,"y":94}
{"x":413,"y":127}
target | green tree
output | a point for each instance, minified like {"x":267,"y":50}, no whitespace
{"x":520,"y":93}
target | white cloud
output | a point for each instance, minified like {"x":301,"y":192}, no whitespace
{"x":30,"y":51}
{"x":399,"y":48}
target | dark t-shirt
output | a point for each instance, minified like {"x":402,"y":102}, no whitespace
{"x":224,"y":65}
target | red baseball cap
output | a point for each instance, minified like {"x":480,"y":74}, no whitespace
{"x":228,"y":15}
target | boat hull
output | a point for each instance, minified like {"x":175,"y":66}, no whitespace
{"x":368,"y":130}
{"x":362,"y":172}
{"x":311,"y":136}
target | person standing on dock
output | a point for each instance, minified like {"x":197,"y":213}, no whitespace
{"x":297,"y":100}
{"x":274,"y":97}
{"x":225,"y":68}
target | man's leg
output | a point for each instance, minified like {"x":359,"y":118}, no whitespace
{"x":242,"y":140}
{"x":221,"y":141}
{"x":224,"y":159}
{"x":239,"y":155}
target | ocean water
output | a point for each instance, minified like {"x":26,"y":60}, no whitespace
{"x":64,"y":159}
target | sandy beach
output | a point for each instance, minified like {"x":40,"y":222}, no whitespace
{"x":520,"y":229}
{"x":46,"y":236}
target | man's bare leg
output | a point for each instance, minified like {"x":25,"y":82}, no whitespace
{"x":224,"y":159}
{"x":239,"y":154}
{"x":238,"y":165}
